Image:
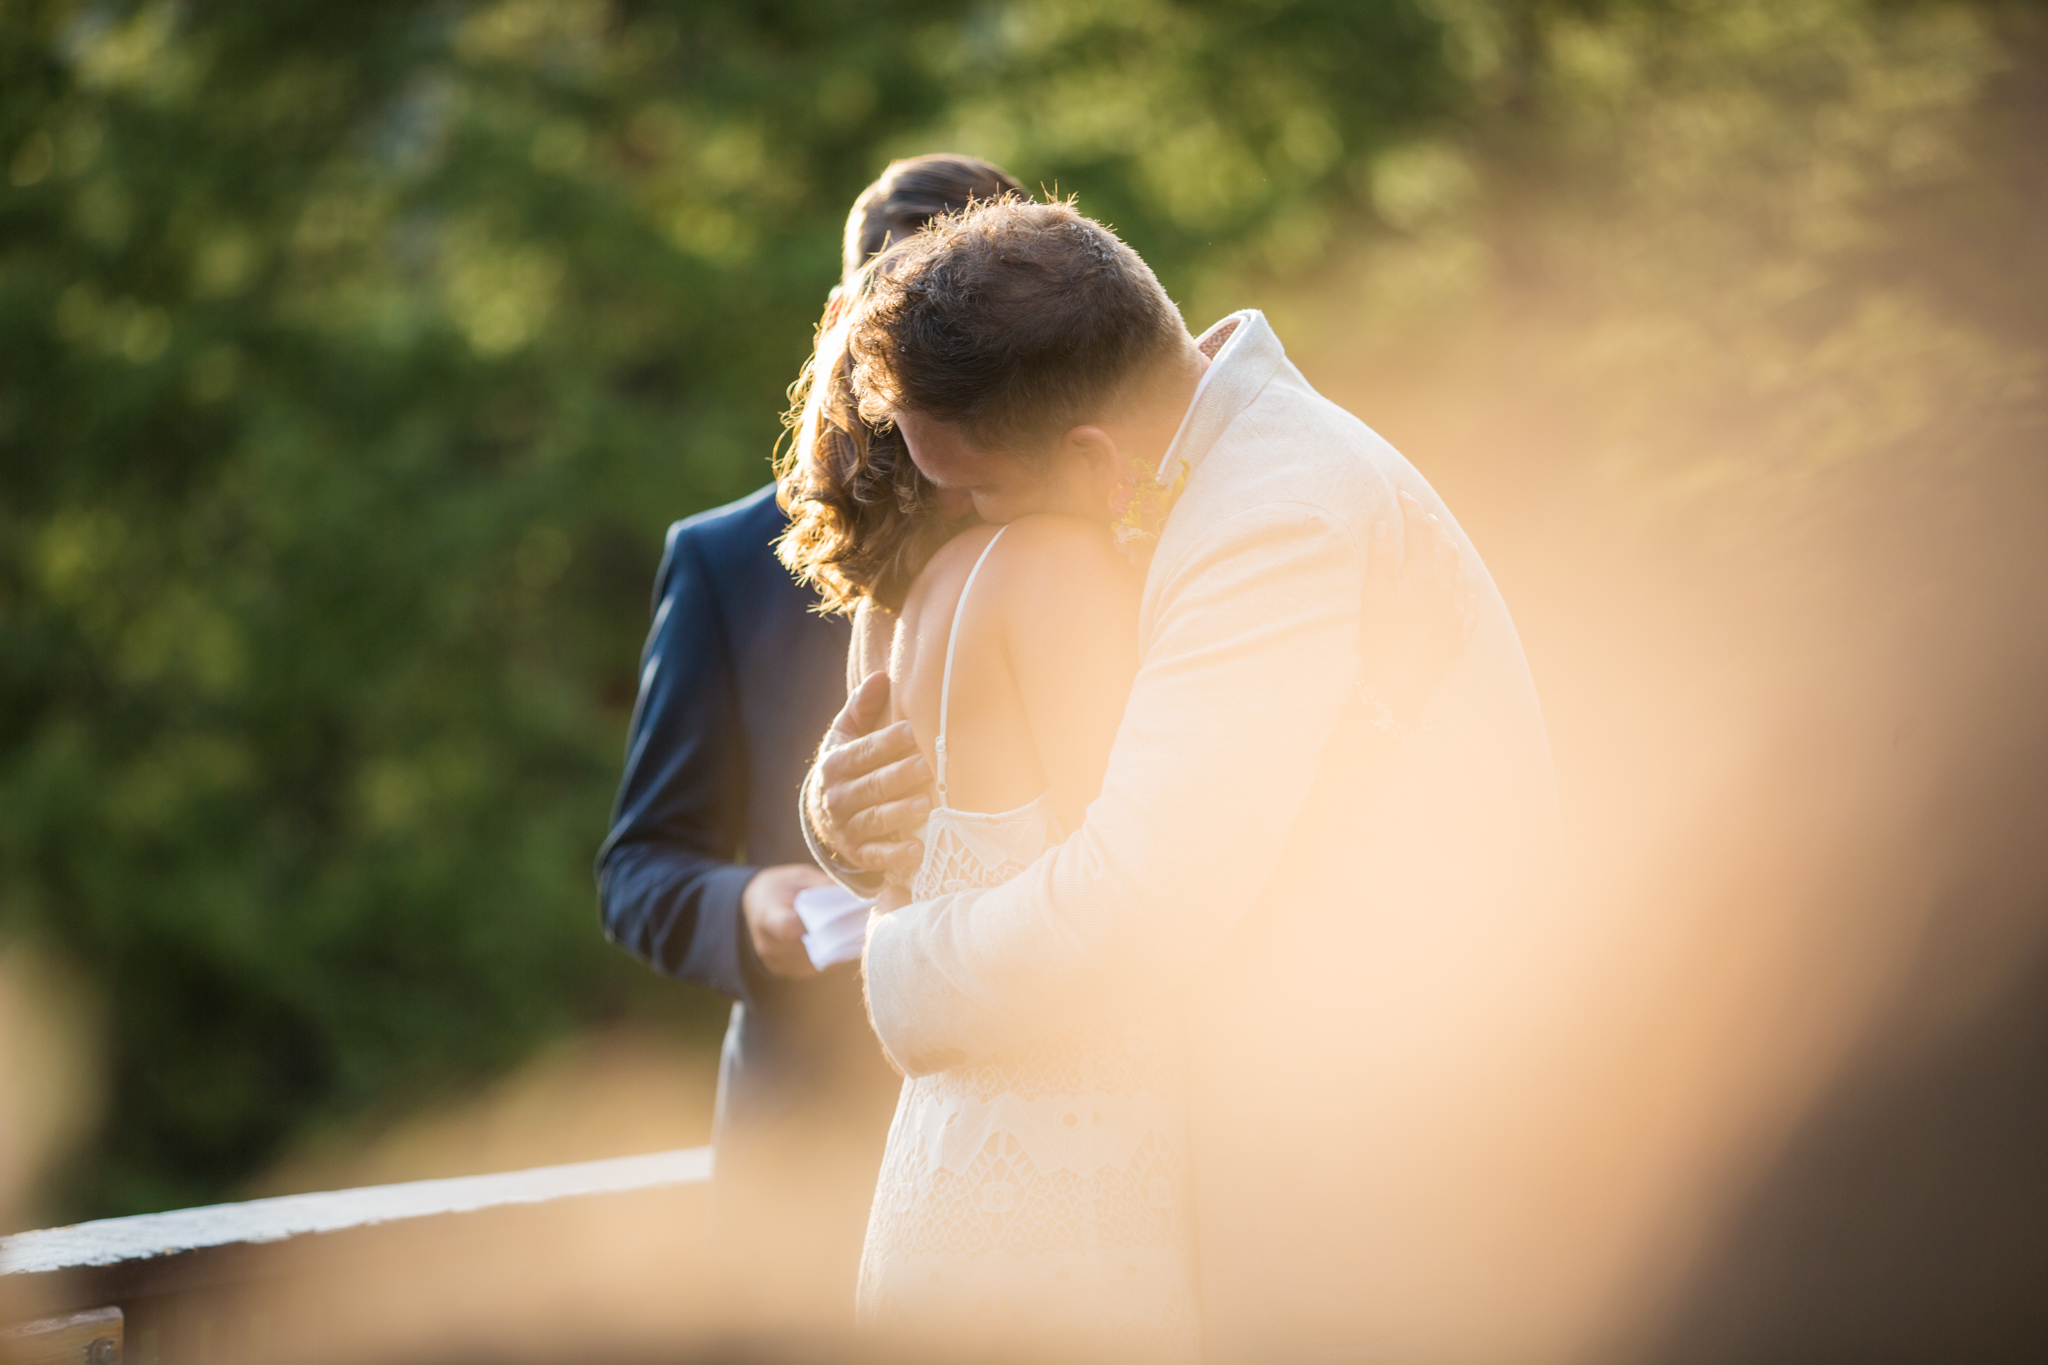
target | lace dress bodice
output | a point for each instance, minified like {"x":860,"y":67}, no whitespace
{"x":1042,"y":1191}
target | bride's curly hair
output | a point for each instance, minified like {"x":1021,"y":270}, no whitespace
{"x":862,"y":519}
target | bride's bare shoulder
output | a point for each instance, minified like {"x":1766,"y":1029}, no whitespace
{"x":1065,"y":546}
{"x":1056,"y":566}
{"x":944,"y":573}
{"x":1042,"y":561}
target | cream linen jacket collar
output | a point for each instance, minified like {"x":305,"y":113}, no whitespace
{"x":1251,"y":355}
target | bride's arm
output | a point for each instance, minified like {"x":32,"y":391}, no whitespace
{"x":866,"y":711}
{"x":868,"y":651}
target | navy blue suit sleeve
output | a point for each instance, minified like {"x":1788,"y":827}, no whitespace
{"x":668,"y":888}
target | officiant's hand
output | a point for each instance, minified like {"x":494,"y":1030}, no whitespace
{"x":873,"y":787}
{"x":1419,"y":610}
{"x":768,"y":905}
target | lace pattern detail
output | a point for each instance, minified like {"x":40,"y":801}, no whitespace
{"x":1043,"y":1191}
{"x":964,"y":850}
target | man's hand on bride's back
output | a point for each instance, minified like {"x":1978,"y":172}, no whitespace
{"x":1419,"y":610}
{"x":873,"y":787}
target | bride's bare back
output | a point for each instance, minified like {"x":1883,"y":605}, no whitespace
{"x":1047,"y":650}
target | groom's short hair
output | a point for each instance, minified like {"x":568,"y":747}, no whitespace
{"x":1014,"y":319}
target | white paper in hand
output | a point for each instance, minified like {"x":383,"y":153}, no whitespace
{"x":835,"y":924}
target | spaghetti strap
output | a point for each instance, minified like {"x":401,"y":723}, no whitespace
{"x":952,"y":639}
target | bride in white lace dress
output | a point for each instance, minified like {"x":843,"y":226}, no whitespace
{"x":1042,"y":1191}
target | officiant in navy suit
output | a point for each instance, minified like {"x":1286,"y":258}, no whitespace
{"x":738,"y":679}
{"x":697,"y":879}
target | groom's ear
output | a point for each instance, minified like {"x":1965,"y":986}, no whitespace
{"x":1097,"y":449}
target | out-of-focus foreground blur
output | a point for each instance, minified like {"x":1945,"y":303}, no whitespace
{"x":355,"y":357}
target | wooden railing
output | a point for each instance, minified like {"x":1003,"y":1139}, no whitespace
{"x":237,"y":1282}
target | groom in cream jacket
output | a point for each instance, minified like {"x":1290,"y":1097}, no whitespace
{"x":1327,"y":880}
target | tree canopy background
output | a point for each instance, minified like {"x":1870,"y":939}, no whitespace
{"x":357,"y":356}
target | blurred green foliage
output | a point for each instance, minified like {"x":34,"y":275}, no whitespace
{"x":1778,"y":254}
{"x":355,"y":357}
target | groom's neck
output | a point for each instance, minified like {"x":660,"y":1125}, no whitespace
{"x":1155,"y":403}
